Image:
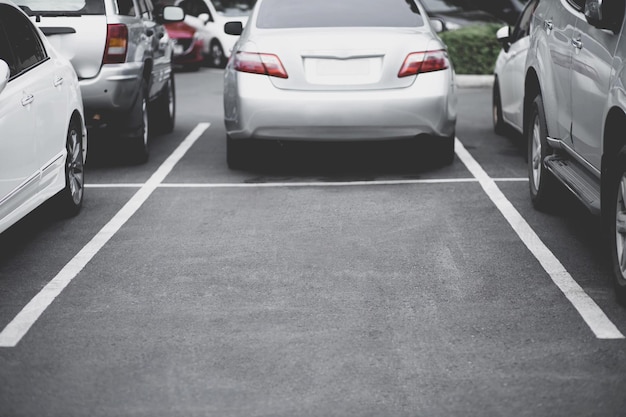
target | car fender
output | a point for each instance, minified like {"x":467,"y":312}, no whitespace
{"x":617,"y":92}
{"x":538,"y":59}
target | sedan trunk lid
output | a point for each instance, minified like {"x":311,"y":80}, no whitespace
{"x":342,"y":58}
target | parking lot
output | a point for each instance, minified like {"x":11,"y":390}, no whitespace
{"x":325,"y":279}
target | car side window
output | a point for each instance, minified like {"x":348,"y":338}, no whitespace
{"x":522,"y":28}
{"x":126,"y":7}
{"x":26,"y":46}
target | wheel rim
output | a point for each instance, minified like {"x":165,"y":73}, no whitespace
{"x":144,"y":115}
{"x":536,"y":154}
{"x":495,"y":114}
{"x":620,"y":226}
{"x":217,"y":54}
{"x":170,"y":95}
{"x":74,"y":168}
{"x":494,"y":107}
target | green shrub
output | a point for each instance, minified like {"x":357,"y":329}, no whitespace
{"x":473,"y":49}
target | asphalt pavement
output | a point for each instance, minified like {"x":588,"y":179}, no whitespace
{"x":324,"y":280}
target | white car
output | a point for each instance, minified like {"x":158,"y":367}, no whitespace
{"x":208,"y":17}
{"x":508,"y":87}
{"x":43,"y":139}
{"x":317,"y":71}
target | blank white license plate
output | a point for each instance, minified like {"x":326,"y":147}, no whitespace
{"x":359,"y":66}
{"x":343,"y":71}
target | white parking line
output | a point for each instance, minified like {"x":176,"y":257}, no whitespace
{"x":591,"y":313}
{"x":19,"y":326}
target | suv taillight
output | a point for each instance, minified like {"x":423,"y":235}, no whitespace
{"x":254,"y":63}
{"x":421,"y":62}
{"x":116,"y":45}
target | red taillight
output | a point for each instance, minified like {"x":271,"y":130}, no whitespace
{"x":421,"y":62}
{"x":116,"y":45}
{"x":266,"y":64}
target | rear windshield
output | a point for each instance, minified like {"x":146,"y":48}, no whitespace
{"x":61,"y":7}
{"x":233,"y":8}
{"x":278,"y":14}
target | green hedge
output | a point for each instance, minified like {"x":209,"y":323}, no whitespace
{"x":473,"y":49}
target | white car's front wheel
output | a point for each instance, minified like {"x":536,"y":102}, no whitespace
{"x":70,"y":199}
{"x":496,"y":110}
{"x":617,"y":225}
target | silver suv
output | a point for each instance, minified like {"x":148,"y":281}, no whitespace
{"x":121,"y":53}
{"x":575,"y":112}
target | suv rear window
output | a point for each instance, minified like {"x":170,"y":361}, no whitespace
{"x":279,"y":14}
{"x":61,"y":7}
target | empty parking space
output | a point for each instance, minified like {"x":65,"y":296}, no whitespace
{"x":286,"y":289}
{"x":274,"y":296}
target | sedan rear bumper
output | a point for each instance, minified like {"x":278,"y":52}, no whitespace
{"x":255,"y":109}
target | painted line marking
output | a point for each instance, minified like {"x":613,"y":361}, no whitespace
{"x":306,"y":184}
{"x":591,"y":313}
{"x":26,"y":318}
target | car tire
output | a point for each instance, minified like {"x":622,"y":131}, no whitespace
{"x":70,"y":199}
{"x":140,"y":137}
{"x":446,"y":149}
{"x":616,"y":216}
{"x":236,"y":156}
{"x":163,"y":111}
{"x":217,"y":58}
{"x":499,"y":127}
{"x":542,"y":183}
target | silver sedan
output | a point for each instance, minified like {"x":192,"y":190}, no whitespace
{"x":328,"y":70}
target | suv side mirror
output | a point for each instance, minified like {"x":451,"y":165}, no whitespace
{"x":5,"y":73}
{"x":170,"y":14}
{"x":504,"y":37}
{"x":233,"y":28}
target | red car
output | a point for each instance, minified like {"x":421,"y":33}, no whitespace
{"x":187,"y":45}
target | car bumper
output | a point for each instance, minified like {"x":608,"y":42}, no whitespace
{"x":114,"y":89}
{"x":255,"y":109}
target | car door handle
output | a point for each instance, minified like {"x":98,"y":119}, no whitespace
{"x":577,"y":43}
{"x":57,"y":81}
{"x":27,"y":99}
{"x":547,"y":25}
